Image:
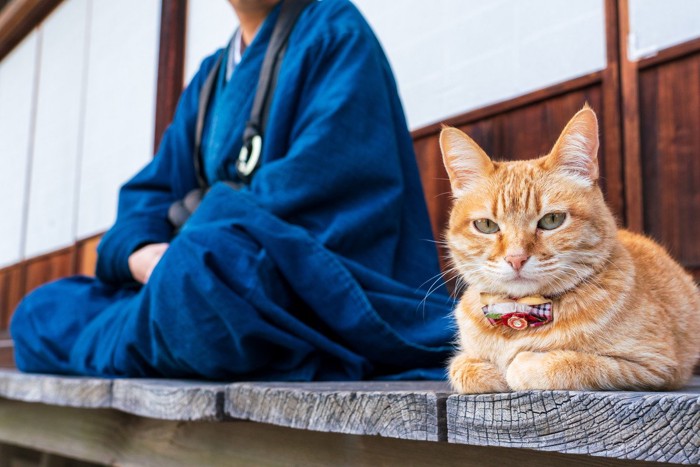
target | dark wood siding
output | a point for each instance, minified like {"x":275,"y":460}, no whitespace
{"x":670,"y":147}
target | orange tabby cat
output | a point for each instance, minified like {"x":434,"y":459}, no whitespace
{"x":558,"y":297}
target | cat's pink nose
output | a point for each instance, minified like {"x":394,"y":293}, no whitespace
{"x":517,"y":261}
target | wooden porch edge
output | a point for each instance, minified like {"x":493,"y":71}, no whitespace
{"x":112,"y":437}
{"x":623,"y":426}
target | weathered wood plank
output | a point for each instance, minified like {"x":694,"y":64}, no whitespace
{"x":56,"y":390}
{"x":405,"y":410}
{"x":117,"y":438}
{"x":169,"y":399}
{"x":645,"y":426}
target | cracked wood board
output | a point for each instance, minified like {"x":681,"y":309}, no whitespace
{"x":645,"y":426}
{"x":56,"y":390}
{"x":405,"y":410}
{"x":169,"y":399}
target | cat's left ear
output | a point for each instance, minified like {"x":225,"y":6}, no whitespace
{"x":465,"y":161}
{"x":576,"y":151}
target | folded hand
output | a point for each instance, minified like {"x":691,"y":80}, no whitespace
{"x":144,"y":260}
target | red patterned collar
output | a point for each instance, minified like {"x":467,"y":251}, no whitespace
{"x":517,"y":313}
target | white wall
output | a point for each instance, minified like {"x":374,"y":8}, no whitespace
{"x":210,"y":25}
{"x":77,"y":114}
{"x":659,"y":24}
{"x":52,"y":199}
{"x":77,"y":97}
{"x":452,"y":56}
{"x":119,"y":105}
{"x":17,"y":84}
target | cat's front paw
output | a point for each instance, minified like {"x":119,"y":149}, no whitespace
{"x":528,"y":370}
{"x":473,"y":376}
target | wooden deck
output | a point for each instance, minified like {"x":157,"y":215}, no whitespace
{"x":168,"y":422}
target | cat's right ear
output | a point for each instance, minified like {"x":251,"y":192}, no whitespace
{"x":464,"y":160}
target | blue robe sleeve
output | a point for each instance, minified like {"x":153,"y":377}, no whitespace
{"x":144,"y":200}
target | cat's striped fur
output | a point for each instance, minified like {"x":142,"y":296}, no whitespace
{"x":626,"y":315}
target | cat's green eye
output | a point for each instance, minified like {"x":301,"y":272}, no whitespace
{"x":486,"y":226}
{"x":552,"y":220}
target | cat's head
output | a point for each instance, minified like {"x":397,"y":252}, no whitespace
{"x":529,"y":227}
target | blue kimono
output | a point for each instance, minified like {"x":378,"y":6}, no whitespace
{"x":319,"y":269}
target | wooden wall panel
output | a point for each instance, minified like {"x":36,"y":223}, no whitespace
{"x":11,"y":292}
{"x":48,"y":268}
{"x":86,"y":256}
{"x":171,"y":63}
{"x":670,"y":149}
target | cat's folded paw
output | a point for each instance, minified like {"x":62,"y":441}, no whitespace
{"x":473,"y":376}
{"x":528,"y":371}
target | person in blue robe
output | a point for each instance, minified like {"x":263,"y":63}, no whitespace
{"x":318,"y":269}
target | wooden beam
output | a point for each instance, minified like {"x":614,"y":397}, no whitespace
{"x":19,"y":18}
{"x":510,"y":104}
{"x":629,"y":84}
{"x":171,"y":63}
{"x":672,"y":53}
{"x":115,"y":438}
{"x":611,"y":128}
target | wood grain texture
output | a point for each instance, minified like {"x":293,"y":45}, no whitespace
{"x":115,"y":438}
{"x":670,"y":145}
{"x":169,"y":399}
{"x":18,"y":18}
{"x":661,"y":427}
{"x":56,"y":390}
{"x":634,"y":215}
{"x":47,"y":268}
{"x":7,"y":355}
{"x":171,"y":63}
{"x":625,"y":425}
{"x":86,"y":255}
{"x":611,"y":135}
{"x":405,"y":410}
{"x":532,"y":98}
{"x":672,"y":53}
{"x":11,"y":292}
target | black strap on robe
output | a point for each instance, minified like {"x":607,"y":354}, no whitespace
{"x":249,"y":157}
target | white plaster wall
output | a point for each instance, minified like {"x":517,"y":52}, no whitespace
{"x":452,"y":56}
{"x":659,"y":24}
{"x":119,"y":105}
{"x":17,"y":89}
{"x":210,"y":25}
{"x":94,"y":111}
{"x":52,"y":195}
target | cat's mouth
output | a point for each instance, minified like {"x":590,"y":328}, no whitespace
{"x":519,"y":276}
{"x":521,"y":285}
